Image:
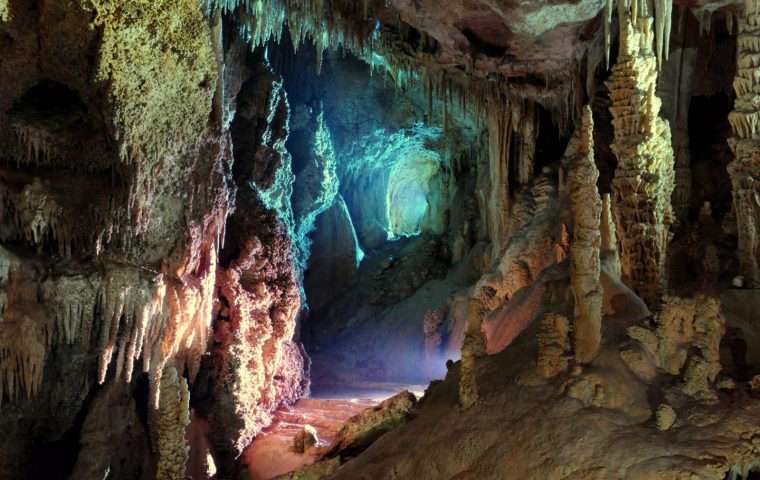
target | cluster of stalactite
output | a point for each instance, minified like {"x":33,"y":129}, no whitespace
{"x":745,"y":168}
{"x":125,"y":311}
{"x":509,"y":122}
{"x":643,"y":182}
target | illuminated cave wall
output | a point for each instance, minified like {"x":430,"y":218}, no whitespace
{"x":377,"y":182}
{"x":352,"y":130}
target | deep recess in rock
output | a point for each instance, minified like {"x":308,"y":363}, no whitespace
{"x":548,"y":213}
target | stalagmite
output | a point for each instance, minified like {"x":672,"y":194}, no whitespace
{"x":585,"y":245}
{"x":173,"y":419}
{"x":474,"y":347}
{"x":609,"y":248}
{"x":553,"y":344}
{"x":745,"y":144}
{"x":644,"y":178}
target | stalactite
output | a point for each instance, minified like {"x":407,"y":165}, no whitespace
{"x":528,"y":130}
{"x":131,"y":312}
{"x":674,"y":87}
{"x":497,"y":204}
{"x":608,"y":5}
{"x":644,"y":178}
{"x":585,"y":245}
{"x":745,"y":144}
{"x":38,"y":144}
{"x":663,"y":13}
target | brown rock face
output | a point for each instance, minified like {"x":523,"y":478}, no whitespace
{"x":116,"y":191}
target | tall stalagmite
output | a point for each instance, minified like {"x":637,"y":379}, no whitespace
{"x":644,"y":178}
{"x":474,"y":347}
{"x":745,"y":168}
{"x":584,"y":249}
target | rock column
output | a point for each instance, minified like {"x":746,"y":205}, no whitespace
{"x":643,"y":183}
{"x":584,"y":248}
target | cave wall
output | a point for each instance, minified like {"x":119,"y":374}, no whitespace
{"x":106,"y":291}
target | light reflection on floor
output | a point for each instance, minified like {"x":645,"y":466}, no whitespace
{"x":272,"y":453}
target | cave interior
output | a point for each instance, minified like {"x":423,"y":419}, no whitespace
{"x":380,"y":239}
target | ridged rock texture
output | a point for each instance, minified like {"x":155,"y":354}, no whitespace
{"x":644,"y":178}
{"x":745,"y":169}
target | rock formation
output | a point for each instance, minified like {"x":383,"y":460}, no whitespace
{"x":744,"y":169}
{"x":174,"y":417}
{"x":473,"y":347}
{"x":644,"y":177}
{"x":209,"y":208}
{"x":586,"y":243}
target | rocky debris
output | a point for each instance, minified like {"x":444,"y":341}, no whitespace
{"x":362,"y":430}
{"x":745,"y":168}
{"x":305,"y":439}
{"x":644,"y":178}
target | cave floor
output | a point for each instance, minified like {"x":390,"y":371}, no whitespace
{"x":272,"y":452}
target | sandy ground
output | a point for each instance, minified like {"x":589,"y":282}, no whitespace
{"x":272,"y":453}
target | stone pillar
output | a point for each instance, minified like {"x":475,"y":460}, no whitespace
{"x":584,"y":248}
{"x":643,"y":182}
{"x":745,"y":144}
